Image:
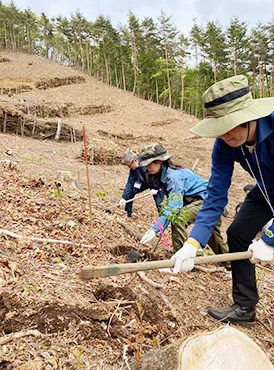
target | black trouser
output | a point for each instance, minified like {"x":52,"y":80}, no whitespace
{"x":253,"y":215}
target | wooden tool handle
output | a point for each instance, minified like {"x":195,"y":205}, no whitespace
{"x":128,"y":201}
{"x":90,"y":272}
{"x":136,"y":198}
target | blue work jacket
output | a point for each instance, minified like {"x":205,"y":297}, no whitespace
{"x":223,"y":159}
{"x":178,"y":184}
{"x":143,"y":177}
{"x":139,"y":175}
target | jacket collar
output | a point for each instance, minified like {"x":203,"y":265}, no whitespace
{"x":264,"y":127}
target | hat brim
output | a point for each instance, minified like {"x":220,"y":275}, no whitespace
{"x":214,"y":127}
{"x":150,"y":160}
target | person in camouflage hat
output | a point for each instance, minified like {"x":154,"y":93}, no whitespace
{"x":153,"y":152}
{"x":138,"y":181}
{"x":185,"y":191}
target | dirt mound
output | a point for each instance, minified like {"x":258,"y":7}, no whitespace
{"x":49,"y":83}
{"x":55,"y":318}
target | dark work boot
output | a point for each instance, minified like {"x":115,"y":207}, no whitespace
{"x":236,"y":314}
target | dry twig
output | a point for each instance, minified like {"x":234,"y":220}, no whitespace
{"x":42,"y":240}
{"x":19,"y":334}
{"x":143,"y":276}
{"x":111,"y":317}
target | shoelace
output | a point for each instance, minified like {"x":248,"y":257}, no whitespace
{"x":263,"y":191}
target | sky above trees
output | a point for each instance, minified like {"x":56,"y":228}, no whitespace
{"x":182,"y":11}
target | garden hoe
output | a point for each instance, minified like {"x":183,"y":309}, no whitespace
{"x":136,"y":255}
{"x":90,"y":272}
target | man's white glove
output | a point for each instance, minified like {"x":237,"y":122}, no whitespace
{"x":122,"y":202}
{"x":148,"y":236}
{"x":261,"y":251}
{"x":153,"y":191}
{"x":184,"y":258}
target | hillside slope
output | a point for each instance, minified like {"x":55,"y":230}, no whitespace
{"x":89,"y":325}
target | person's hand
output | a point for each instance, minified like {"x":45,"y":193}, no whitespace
{"x":148,"y":236}
{"x":184,"y":258}
{"x":153,"y":191}
{"x":261,"y":251}
{"x":122,"y":202}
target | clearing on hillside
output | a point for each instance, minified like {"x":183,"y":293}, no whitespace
{"x":48,"y":234}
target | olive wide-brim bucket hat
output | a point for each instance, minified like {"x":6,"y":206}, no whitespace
{"x":153,"y":152}
{"x":228,"y":104}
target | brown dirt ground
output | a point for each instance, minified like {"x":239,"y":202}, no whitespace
{"x":86,"y":325}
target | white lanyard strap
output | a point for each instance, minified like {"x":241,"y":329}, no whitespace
{"x":263,"y":191}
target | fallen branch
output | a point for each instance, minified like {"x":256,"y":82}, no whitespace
{"x":173,"y":310}
{"x":116,"y":309}
{"x":42,"y":240}
{"x":265,"y":268}
{"x":143,"y":276}
{"x":129,"y":229}
{"x":125,"y":357}
{"x":266,"y":339}
{"x":20,"y":334}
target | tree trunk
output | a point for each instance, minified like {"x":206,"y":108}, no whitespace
{"x":182,"y":87}
{"x":134,"y":59}
{"x":272,"y":78}
{"x":168,"y":77}
{"x":235,"y":61}
{"x":157,"y":90}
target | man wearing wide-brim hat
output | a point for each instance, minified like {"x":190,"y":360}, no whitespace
{"x":244,"y":131}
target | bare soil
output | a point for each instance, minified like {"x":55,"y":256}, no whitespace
{"x":95,"y":324}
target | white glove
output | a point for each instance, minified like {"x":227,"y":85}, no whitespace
{"x":261,"y":251}
{"x":184,"y":258}
{"x":153,"y":191}
{"x":122,"y":202}
{"x":148,"y":236}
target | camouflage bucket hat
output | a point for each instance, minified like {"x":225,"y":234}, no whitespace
{"x":228,"y":104}
{"x":153,"y":152}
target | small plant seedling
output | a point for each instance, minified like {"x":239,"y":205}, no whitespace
{"x":26,"y":158}
{"x":36,"y":288}
{"x":41,"y":158}
{"x":101,"y":194}
{"x":26,"y":288}
{"x":58,"y":193}
{"x":78,"y":359}
{"x":175,"y":215}
{"x":259,"y":275}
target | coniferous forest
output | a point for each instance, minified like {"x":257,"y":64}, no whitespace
{"x":151,"y":58}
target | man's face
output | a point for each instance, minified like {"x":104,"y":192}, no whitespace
{"x":132,"y":165}
{"x":235,"y":137}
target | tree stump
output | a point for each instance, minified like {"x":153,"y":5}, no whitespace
{"x":226,"y":348}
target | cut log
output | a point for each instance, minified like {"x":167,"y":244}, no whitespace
{"x":226,"y":348}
